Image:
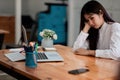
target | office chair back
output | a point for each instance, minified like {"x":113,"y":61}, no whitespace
{"x":22,"y":40}
{"x":25,"y":40}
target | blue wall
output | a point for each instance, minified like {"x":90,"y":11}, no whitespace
{"x":54,"y":19}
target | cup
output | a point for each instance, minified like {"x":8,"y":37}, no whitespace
{"x":31,"y":59}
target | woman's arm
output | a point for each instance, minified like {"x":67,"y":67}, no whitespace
{"x":85,"y":52}
{"x":81,"y":41}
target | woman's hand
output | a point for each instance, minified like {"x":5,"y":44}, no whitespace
{"x":86,"y":28}
{"x":84,"y":52}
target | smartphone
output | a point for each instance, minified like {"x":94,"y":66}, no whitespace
{"x":78,"y":71}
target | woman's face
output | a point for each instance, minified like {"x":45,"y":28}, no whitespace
{"x":94,"y":20}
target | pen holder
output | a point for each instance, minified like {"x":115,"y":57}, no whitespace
{"x":31,"y":59}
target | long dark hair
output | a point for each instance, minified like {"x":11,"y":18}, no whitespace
{"x":93,"y":7}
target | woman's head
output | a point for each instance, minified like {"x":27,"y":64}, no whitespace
{"x":95,"y":14}
{"x":94,"y":20}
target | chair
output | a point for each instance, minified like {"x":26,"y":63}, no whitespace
{"x":30,"y":26}
{"x":22,"y":40}
{"x":1,"y":40}
{"x":24,"y":34}
{"x":2,"y":35}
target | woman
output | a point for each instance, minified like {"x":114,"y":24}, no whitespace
{"x":99,"y":34}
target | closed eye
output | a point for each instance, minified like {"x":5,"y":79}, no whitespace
{"x":91,"y":18}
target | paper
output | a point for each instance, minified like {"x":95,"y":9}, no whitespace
{"x":16,"y":49}
{"x":50,"y":49}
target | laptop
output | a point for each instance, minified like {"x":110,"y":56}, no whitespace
{"x":47,"y":56}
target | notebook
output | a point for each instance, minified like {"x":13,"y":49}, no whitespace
{"x":41,"y":57}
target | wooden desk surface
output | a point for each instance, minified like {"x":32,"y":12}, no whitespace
{"x":100,"y":69}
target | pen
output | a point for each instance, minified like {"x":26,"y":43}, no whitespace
{"x":23,"y":51}
{"x":36,"y":46}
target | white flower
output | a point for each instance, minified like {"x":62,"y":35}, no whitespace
{"x":47,"y":33}
{"x":55,"y":36}
{"x":41,"y":33}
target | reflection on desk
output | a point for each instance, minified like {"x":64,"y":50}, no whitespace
{"x":100,"y":69}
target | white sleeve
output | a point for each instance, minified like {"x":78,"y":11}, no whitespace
{"x":81,"y":41}
{"x":114,"y":51}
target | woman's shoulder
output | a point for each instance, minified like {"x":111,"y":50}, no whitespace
{"x":115,"y":25}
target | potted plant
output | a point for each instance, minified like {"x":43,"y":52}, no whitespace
{"x":48,"y":37}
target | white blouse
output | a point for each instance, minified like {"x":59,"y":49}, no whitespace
{"x":108,"y":44}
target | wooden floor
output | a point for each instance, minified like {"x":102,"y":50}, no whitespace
{"x":4,"y":76}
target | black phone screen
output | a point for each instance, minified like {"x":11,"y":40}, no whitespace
{"x":78,"y":71}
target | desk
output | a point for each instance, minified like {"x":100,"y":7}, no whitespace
{"x":100,"y":69}
{"x":2,"y":33}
